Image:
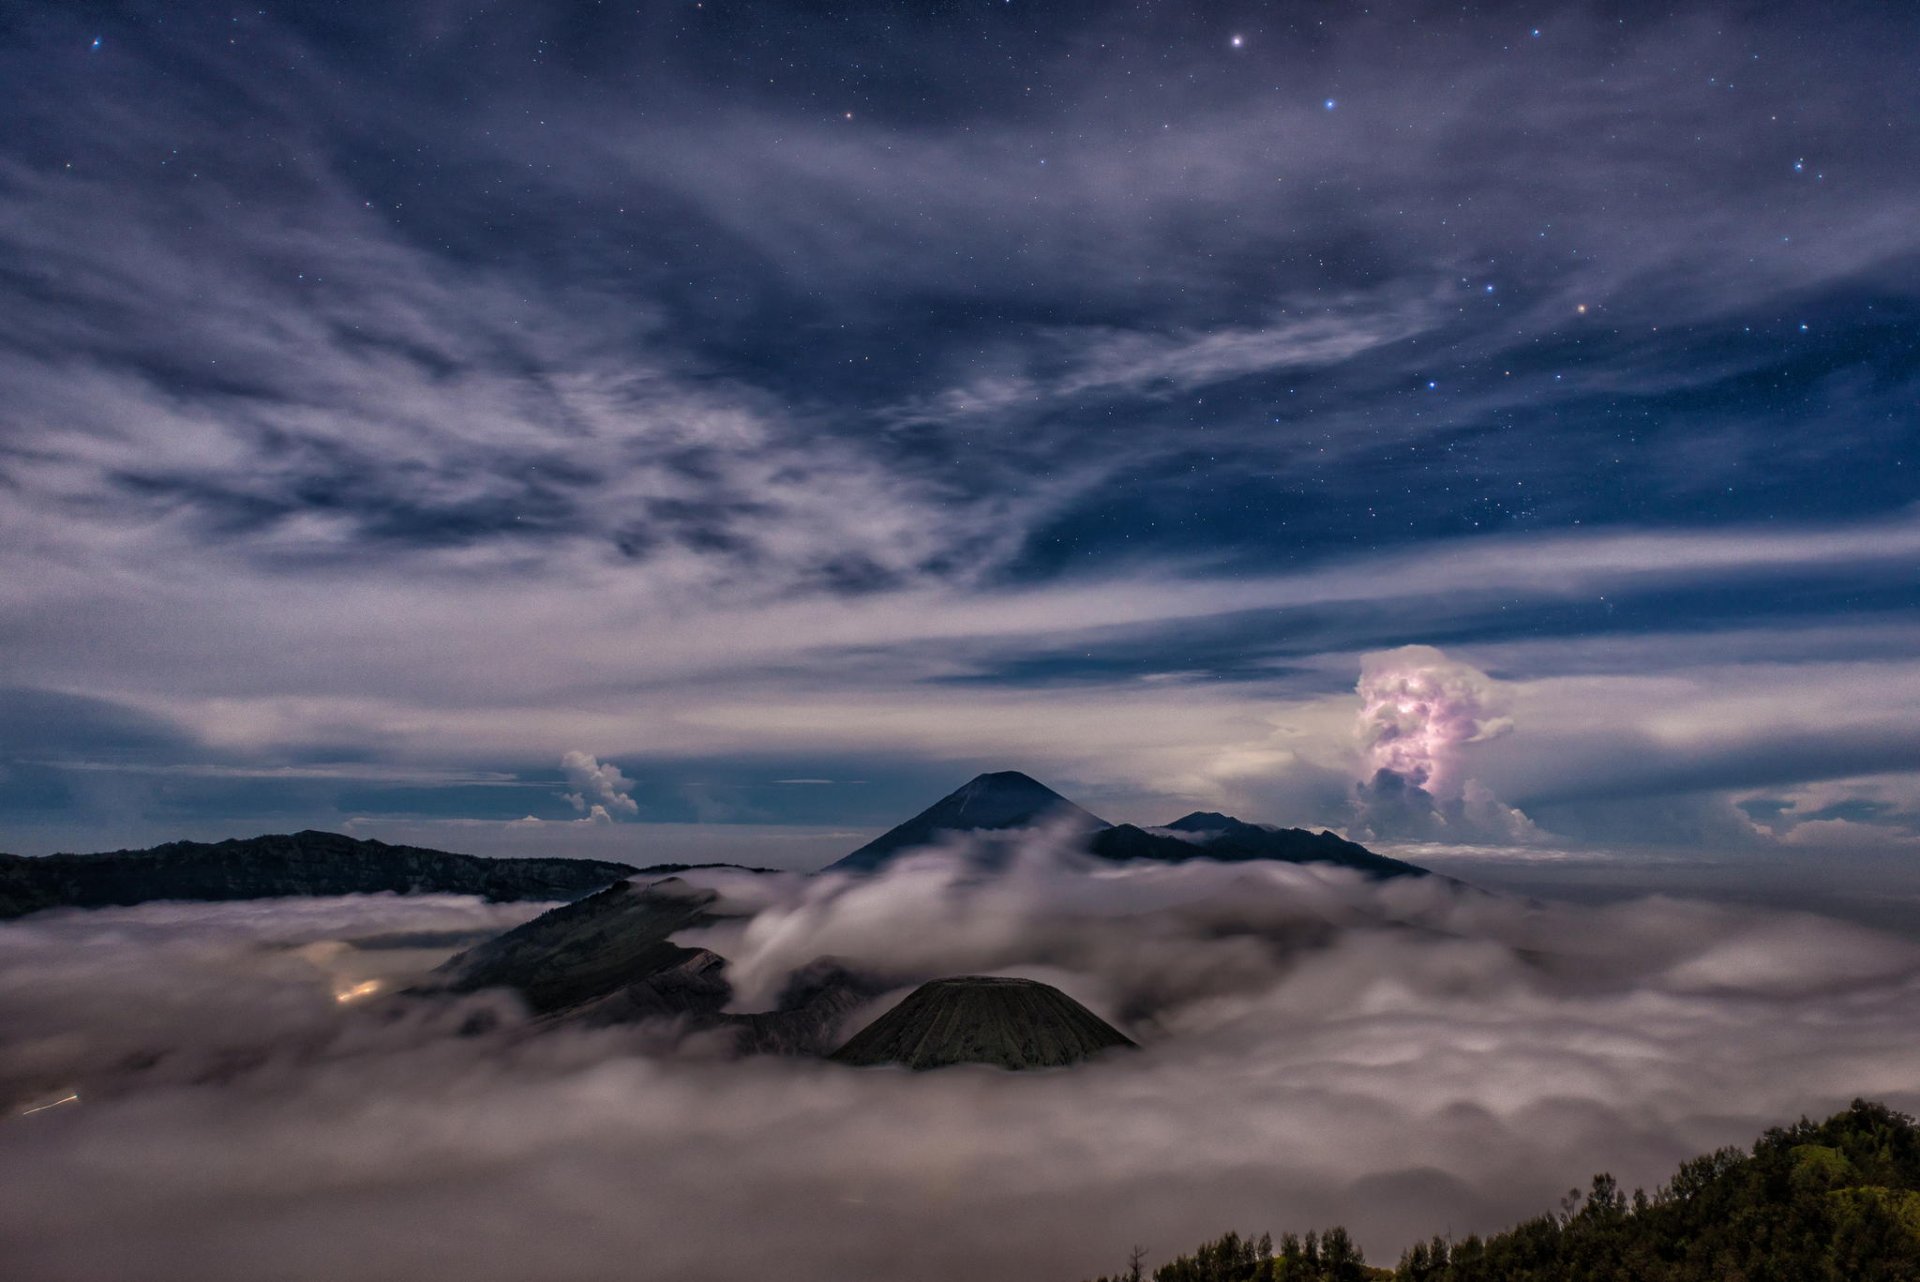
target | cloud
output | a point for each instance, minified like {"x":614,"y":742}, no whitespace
{"x":1418,"y":708}
{"x":599,"y":791}
{"x":892,"y":407}
{"x":1402,"y":1058}
{"x":1095,"y":363}
{"x":1418,"y":711}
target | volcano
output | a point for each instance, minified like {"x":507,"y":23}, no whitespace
{"x":977,"y":1019}
{"x":1001,"y":800}
{"x":589,"y":950}
{"x":610,"y":959}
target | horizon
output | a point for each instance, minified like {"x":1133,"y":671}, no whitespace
{"x":1873,"y":893}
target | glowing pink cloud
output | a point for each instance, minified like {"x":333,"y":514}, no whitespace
{"x":1417,"y":708}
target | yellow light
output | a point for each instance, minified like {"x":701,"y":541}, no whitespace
{"x":41,"y":1108}
{"x":365,"y":988}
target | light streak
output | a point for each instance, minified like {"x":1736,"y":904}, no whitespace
{"x":41,"y":1108}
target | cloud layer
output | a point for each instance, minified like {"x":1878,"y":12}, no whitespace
{"x":1403,"y":1058}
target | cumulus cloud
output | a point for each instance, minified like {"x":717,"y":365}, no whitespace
{"x":1418,"y":707}
{"x":600,"y":791}
{"x":1404,"y":1058}
{"x":1419,"y":710}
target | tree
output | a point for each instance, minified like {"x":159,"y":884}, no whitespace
{"x":1340,"y":1259}
{"x":1230,"y":1258}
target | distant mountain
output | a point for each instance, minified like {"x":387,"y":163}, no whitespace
{"x":608,"y":959}
{"x":974,"y":1019}
{"x":302,"y":863}
{"x":1204,"y":821}
{"x":1009,"y":799}
{"x":1209,"y":835}
{"x":989,"y":802}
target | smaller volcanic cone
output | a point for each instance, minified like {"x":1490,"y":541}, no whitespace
{"x":977,"y":1019}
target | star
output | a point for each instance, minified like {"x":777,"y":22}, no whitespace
{"x":1238,"y":42}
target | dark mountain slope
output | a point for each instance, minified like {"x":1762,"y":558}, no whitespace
{"x":1204,"y":821}
{"x":586,"y":951}
{"x":1832,"y":1201}
{"x":1007,"y":799}
{"x":972,"y":1019}
{"x":302,"y":863}
{"x":609,"y":959}
{"x":1213,"y":836}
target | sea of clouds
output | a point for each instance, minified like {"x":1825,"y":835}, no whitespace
{"x":1404,"y":1058}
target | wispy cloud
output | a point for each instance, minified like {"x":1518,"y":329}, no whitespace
{"x":751,"y":421}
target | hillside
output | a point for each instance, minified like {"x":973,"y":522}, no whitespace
{"x":588,"y":950}
{"x":609,"y":959}
{"x":1206,"y":835}
{"x":976,"y":1019}
{"x":1832,"y":1201}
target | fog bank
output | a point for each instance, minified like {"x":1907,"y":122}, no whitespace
{"x":1405,"y":1058}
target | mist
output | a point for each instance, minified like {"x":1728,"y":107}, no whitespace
{"x":1405,"y":1058}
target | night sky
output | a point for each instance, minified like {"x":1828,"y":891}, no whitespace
{"x":722,"y":428}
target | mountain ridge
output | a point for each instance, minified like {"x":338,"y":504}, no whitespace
{"x":1007,"y":799}
{"x":309,"y":862}
{"x":1229,"y":840}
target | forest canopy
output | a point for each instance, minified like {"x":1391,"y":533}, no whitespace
{"x":1831,"y":1201}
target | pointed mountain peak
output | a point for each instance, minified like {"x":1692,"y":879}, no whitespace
{"x":995,"y":801}
{"x":1000,"y":790}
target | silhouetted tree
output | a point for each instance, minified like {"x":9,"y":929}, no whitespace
{"x":1226,"y":1259}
